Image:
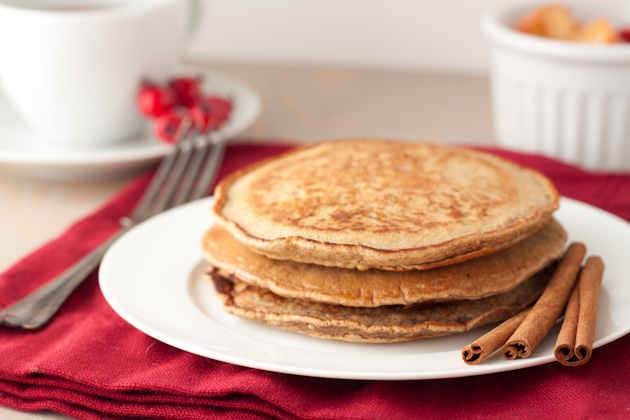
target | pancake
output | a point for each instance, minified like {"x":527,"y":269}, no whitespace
{"x":473,"y":279}
{"x":389,"y":205}
{"x":384,"y":324}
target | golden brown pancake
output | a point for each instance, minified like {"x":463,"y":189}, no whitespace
{"x":473,"y":279}
{"x":372,"y":325}
{"x":381,"y":204}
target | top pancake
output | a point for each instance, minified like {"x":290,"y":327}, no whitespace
{"x":383,"y":204}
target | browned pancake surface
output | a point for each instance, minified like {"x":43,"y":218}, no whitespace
{"x":473,"y":279}
{"x":383,"y":204}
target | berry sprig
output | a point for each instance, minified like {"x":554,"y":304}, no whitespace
{"x":169,"y":104}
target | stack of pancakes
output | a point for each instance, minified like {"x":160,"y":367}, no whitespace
{"x":382,"y":241}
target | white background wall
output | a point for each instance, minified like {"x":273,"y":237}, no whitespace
{"x":402,"y":34}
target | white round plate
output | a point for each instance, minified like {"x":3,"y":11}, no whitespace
{"x":23,"y":152}
{"x":152,"y":277}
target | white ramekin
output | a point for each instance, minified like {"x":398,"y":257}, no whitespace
{"x":566,"y":100}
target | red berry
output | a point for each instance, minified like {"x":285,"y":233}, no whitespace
{"x":204,"y":117}
{"x":165,"y":127}
{"x":221,"y":107}
{"x":154,"y":101}
{"x":187,"y":90}
{"x":210,"y":112}
{"x":624,"y":34}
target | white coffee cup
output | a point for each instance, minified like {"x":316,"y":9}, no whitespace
{"x":72,"y":68}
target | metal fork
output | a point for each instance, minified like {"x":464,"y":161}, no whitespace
{"x":184,"y":175}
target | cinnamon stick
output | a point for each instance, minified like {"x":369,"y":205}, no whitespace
{"x":480,"y":349}
{"x":549,"y":306}
{"x":565,"y":343}
{"x":575,"y":342}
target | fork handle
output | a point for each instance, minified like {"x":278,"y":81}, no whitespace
{"x":38,"y":307}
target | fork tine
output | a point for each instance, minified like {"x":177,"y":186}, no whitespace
{"x":211,"y":166}
{"x":184,"y":175}
{"x":172,"y":183}
{"x":202,"y":144}
{"x":142,"y":208}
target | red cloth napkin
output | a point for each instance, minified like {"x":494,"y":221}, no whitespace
{"x":90,"y":364}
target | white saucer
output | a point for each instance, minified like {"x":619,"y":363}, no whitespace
{"x":21,"y":150}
